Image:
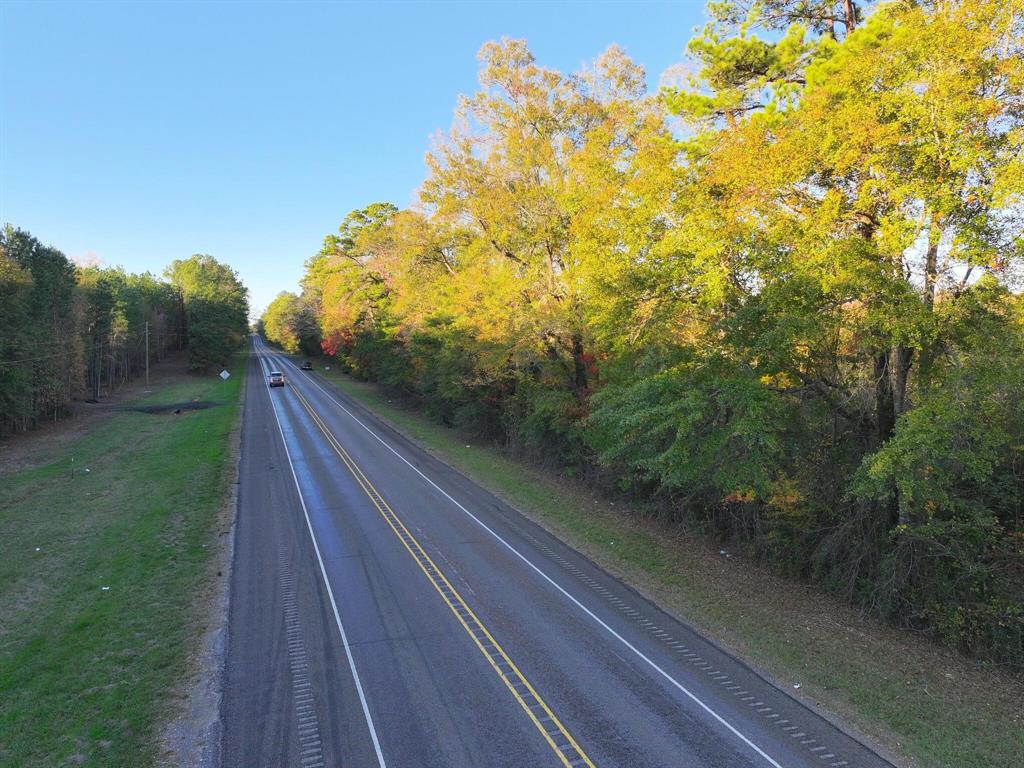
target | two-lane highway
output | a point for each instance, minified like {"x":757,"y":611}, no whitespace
{"x":386,"y":611}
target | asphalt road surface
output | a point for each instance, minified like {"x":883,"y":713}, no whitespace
{"x":386,"y":611}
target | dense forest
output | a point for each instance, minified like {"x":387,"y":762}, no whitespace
{"x":778,"y":302}
{"x":76,"y":333}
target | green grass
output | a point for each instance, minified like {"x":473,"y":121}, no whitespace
{"x":927,"y":706}
{"x":100,"y":574}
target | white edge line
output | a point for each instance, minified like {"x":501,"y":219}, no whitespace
{"x":547,"y":578}
{"x":327,"y":583}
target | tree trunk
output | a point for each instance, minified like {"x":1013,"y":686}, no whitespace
{"x":550,"y":263}
{"x":98,"y":365}
{"x":904,"y":360}
{"x":885,"y":414}
{"x":579,"y":366}
{"x":931,"y":274}
{"x":931,"y":268}
{"x":850,"y":15}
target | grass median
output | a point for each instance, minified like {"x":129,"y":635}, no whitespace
{"x":106,"y":542}
{"x":924,"y":705}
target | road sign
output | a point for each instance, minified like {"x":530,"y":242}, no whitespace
{"x":225,"y":375}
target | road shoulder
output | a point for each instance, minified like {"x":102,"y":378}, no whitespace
{"x":192,"y":733}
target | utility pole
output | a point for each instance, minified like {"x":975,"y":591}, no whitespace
{"x":99,"y":368}
{"x":147,"y":353}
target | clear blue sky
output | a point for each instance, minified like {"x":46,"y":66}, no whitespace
{"x":147,"y":132}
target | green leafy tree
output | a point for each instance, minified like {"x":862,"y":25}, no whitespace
{"x":70,"y":332}
{"x":794,"y":320}
{"x":291,"y":323}
{"x":39,"y":342}
{"x":217,"y":308}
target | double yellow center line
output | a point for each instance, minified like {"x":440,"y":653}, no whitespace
{"x":557,"y":736}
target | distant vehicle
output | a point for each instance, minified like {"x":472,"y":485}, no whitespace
{"x":307,"y":366}
{"x":276,"y":379}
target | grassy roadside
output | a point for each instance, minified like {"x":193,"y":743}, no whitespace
{"x":99,"y":576}
{"x":924,"y":705}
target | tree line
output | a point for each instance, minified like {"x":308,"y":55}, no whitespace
{"x":72,"y":332}
{"x":778,"y":302}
